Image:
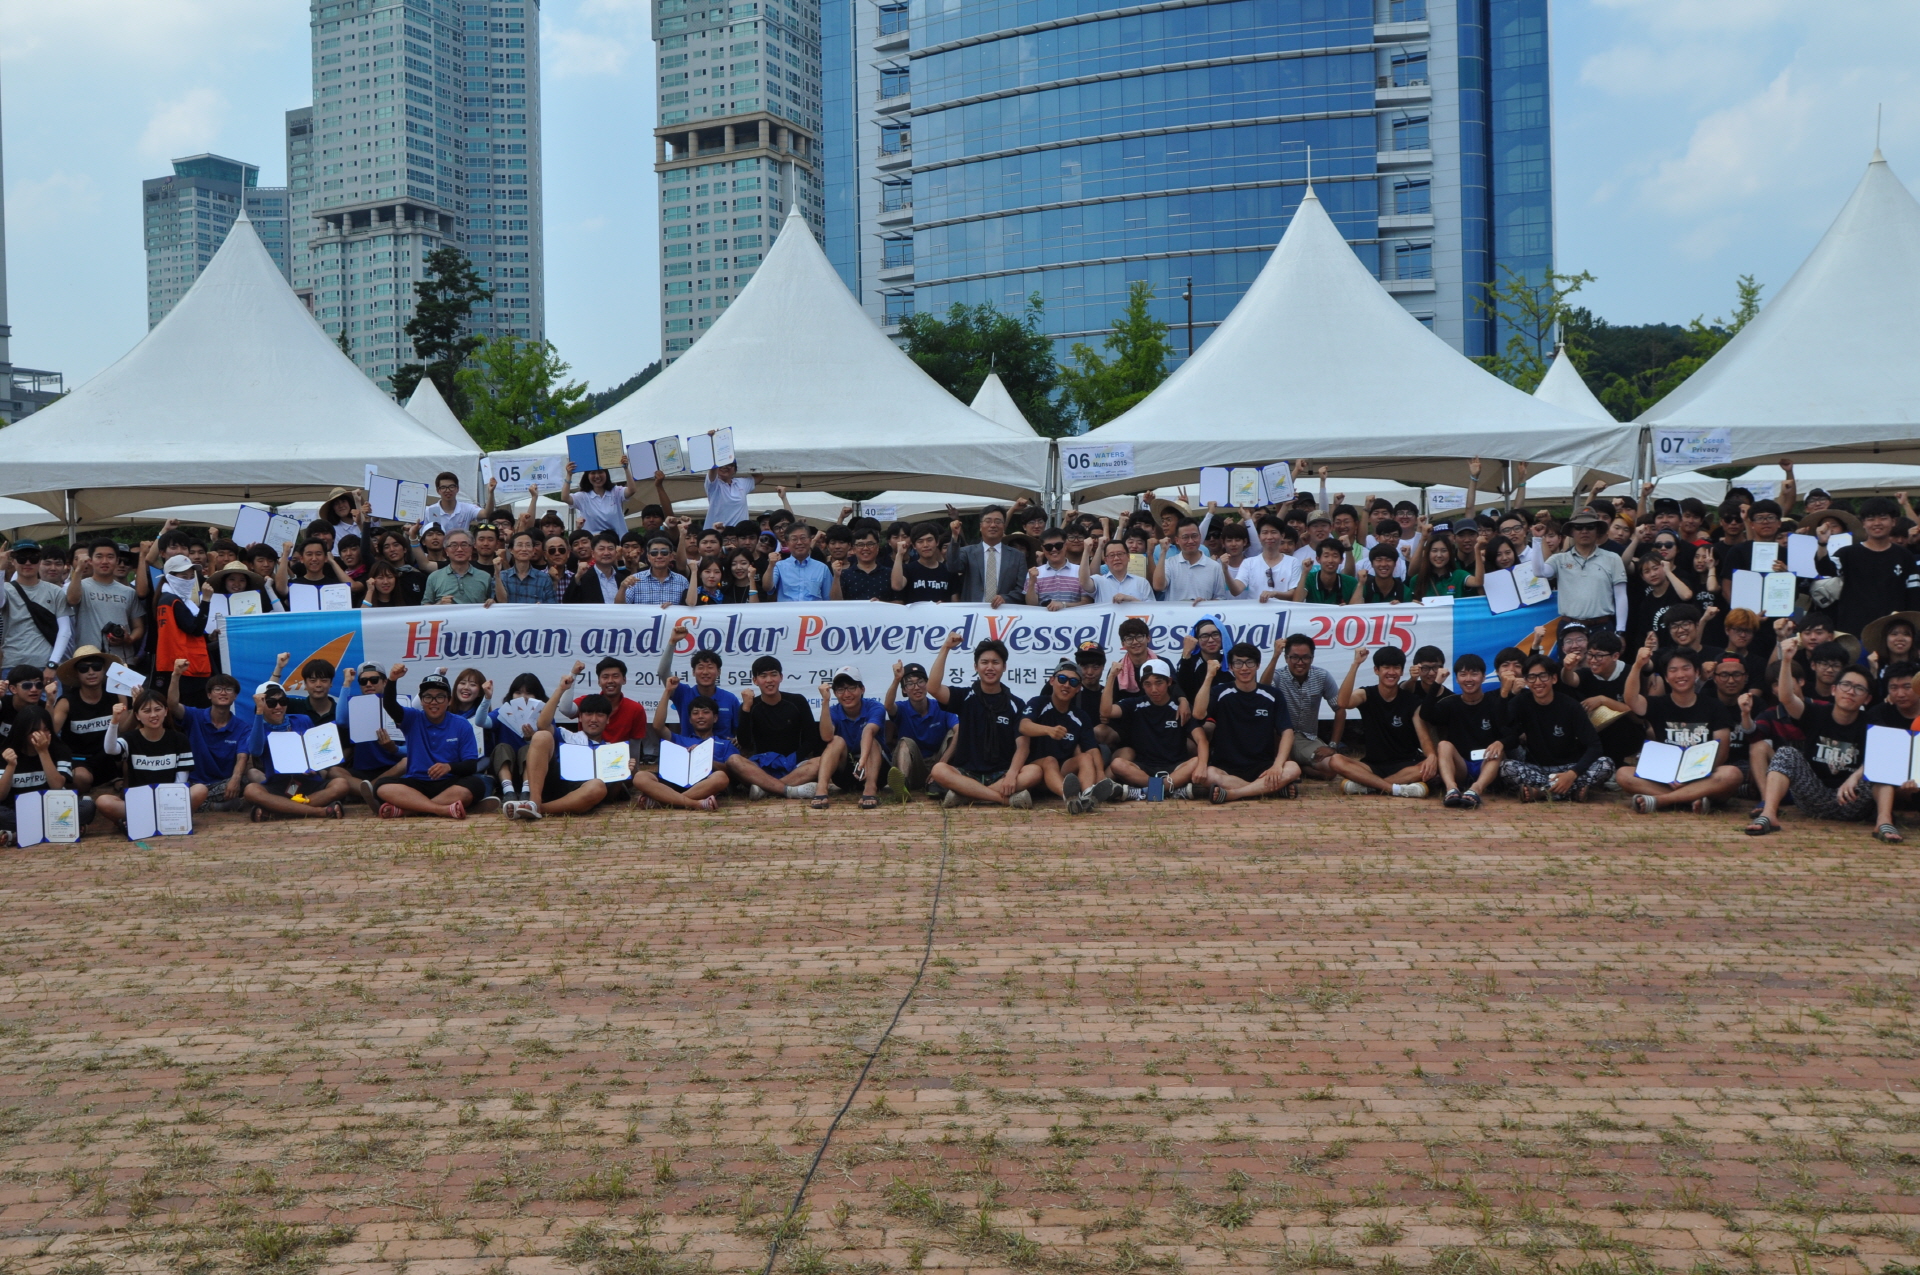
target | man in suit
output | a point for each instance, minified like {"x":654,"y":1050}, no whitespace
{"x":599,"y":581}
{"x":993,"y":570}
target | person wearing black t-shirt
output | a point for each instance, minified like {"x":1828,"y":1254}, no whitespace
{"x":1731,"y":689}
{"x":1877,"y":576}
{"x":1250,"y":735}
{"x":32,"y":759}
{"x":1823,"y":770}
{"x":1155,"y":729}
{"x":1062,"y":743}
{"x":1199,"y":650}
{"x":155,"y":753}
{"x":1597,"y":677}
{"x":1399,"y":750}
{"x":1465,"y":728}
{"x":923,"y":577}
{"x":988,"y":761}
{"x":1898,"y":711}
{"x":1683,"y":717}
{"x":1564,"y":760}
{"x":779,"y":739}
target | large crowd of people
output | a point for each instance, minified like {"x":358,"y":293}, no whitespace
{"x":1648,"y":648}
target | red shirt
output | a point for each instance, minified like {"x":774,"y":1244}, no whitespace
{"x":629,"y":719}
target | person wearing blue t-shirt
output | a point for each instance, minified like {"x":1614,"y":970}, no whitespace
{"x":706,"y":681}
{"x":851,"y":726}
{"x":300,"y":794}
{"x":216,"y":734}
{"x":370,"y":761}
{"x":699,"y":722}
{"x":443,"y":776}
{"x":919,"y":731}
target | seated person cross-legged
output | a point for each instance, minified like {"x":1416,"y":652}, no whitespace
{"x":989,"y":758}
{"x":1399,"y":751}
{"x":1684,"y":718}
{"x":700,"y":726}
{"x":1156,"y":729}
{"x":443,"y":776}
{"x":1062,"y":743}
{"x":548,"y":793}
{"x":1249,"y":732}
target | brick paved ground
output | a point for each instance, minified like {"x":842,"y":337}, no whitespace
{"x":1328,"y":1034}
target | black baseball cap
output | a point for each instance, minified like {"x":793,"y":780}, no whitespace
{"x":910,"y":671}
{"x":435,"y":682}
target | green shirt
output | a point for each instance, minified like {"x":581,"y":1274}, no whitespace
{"x":1336,"y":596}
{"x":1451,"y":585}
{"x":470,"y":589}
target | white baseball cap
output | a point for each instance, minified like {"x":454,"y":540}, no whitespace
{"x":179,"y":565}
{"x":1157,"y":668}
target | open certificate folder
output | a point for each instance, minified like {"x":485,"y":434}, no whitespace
{"x":317,"y":749}
{"x":164,"y":810}
{"x":1671,"y":764}
{"x":1891,"y":756}
{"x":684,"y":766}
{"x":609,"y":763}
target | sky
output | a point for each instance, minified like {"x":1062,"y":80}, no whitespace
{"x":1695,"y":141}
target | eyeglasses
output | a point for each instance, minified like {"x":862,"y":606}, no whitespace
{"x":659,"y":553}
{"x":29,"y":684}
{"x":1540,"y":676}
{"x":1851,"y":688}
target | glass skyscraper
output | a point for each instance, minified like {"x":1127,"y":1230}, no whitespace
{"x":988,"y":150}
{"x":186,"y":217}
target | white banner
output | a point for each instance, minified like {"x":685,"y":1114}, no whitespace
{"x":1691,"y":448}
{"x":1088,"y":463}
{"x":812,"y":642}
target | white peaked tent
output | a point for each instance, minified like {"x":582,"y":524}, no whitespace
{"x":1827,"y":368}
{"x":816,"y":396}
{"x":1565,"y":388}
{"x":1318,"y":361}
{"x":994,"y":403}
{"x":237,"y":394}
{"x":430,"y":409}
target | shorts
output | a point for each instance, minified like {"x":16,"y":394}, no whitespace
{"x":104,"y":769}
{"x":845,"y":779}
{"x":776,"y":764}
{"x":287,"y":785}
{"x":476,"y":784}
{"x":1245,"y":772}
{"x":555,"y":787}
{"x":373,"y":776}
{"x":1391,"y":765}
{"x":1473,"y":770}
{"x":1305,"y":746}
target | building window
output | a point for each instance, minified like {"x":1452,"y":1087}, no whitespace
{"x":1407,"y":11}
{"x":1412,"y":198}
{"x":896,"y":195}
{"x":1410,"y":134}
{"x":897,"y":252}
{"x":893,"y":82}
{"x":1409,"y":69}
{"x":893,"y":19}
{"x":1413,"y":261}
{"x":895,"y":140}
{"x":899,"y":308}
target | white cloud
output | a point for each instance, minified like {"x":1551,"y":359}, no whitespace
{"x":50,"y":202}
{"x":185,"y":126}
{"x":139,"y":28}
{"x":1718,"y":17}
{"x":604,"y":38}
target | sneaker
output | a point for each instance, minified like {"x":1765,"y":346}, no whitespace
{"x":952,"y":801}
{"x":1105,"y":790}
{"x":1184,"y":792}
{"x":1070,"y":793}
{"x":1133,"y":794}
{"x":1409,"y":790}
{"x":1083,"y":804}
{"x":373,"y":802}
{"x":1354,"y":790}
{"x":801,"y":792}
{"x":1452,"y":800}
{"x":1157,"y":788}
{"x":756,"y":793}
{"x":1022,"y":800}
{"x":897,"y":785}
{"x":486,"y":806}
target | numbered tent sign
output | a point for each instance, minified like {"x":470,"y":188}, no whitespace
{"x":1691,"y":448}
{"x":1088,"y":463}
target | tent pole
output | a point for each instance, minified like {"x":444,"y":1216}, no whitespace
{"x":73,"y":518}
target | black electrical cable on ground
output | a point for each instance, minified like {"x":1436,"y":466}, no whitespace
{"x":926,"y":956}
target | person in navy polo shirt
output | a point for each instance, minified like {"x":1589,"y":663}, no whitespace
{"x":443,"y":757}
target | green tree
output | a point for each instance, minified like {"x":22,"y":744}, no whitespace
{"x":516,"y":393}
{"x":1629,"y":391}
{"x":1532,"y":313}
{"x":1099,"y":389}
{"x":438,"y":328}
{"x":607,"y":398}
{"x":973,"y":340}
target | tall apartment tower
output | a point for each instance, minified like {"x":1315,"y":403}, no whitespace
{"x":186,"y":217}
{"x":738,"y":142}
{"x":425,"y":131}
{"x":299,"y":145}
{"x":23,"y":390}
{"x":986,"y":151}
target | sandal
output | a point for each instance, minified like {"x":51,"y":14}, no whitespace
{"x":1888,"y":833}
{"x":1289,"y":793}
{"x":708,"y":803}
{"x":1452,"y":800}
{"x":390,"y":811}
{"x":1703,"y":806}
{"x":819,"y":803}
{"x":1643,"y":804}
{"x":1469,"y":800}
{"x":1218,"y":796}
{"x":6,"y":839}
{"x":258,"y":814}
{"x":869,"y":802}
{"x":458,"y":810}
{"x":1761,"y":826}
{"x":1530,"y":795}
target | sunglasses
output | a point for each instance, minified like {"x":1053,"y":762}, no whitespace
{"x":275,"y":703}
{"x":372,"y":681}
{"x":1052,"y":545}
{"x":30,"y":684}
{"x":91,"y":666}
{"x":1066,"y":679}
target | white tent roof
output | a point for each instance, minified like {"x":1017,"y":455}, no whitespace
{"x":816,"y":396}
{"x":994,"y":403}
{"x":1556,"y":486}
{"x":237,"y":393}
{"x":431,"y":410}
{"x":1844,"y":478}
{"x":1318,"y":361}
{"x":1565,"y":388}
{"x":1827,"y":367}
